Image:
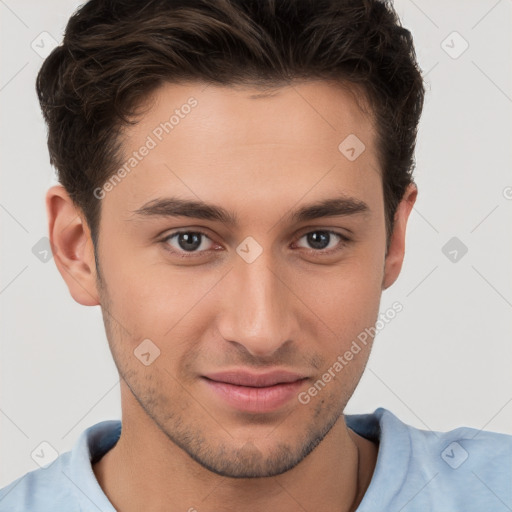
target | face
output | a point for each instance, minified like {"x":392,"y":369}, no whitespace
{"x":258,"y":282}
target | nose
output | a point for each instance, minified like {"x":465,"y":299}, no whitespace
{"x":257,"y":307}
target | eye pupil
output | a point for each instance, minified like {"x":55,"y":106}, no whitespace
{"x":319,"y":239}
{"x":189,"y":241}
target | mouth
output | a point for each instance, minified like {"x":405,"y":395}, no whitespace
{"x":256,"y":393}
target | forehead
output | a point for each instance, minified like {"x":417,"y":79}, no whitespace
{"x":279,"y":114}
{"x":232,"y":144}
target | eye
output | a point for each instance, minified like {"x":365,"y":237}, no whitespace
{"x":183,"y":242}
{"x":187,"y":244}
{"x":325,"y":241}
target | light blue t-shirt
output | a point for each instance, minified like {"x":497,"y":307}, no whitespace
{"x":464,"y":470}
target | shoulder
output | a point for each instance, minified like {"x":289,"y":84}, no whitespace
{"x":45,"y":489}
{"x":68,"y":483}
{"x":471,"y":468}
{"x":461,"y":469}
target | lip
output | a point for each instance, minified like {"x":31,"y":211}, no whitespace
{"x":255,"y":380}
{"x":256,"y":393}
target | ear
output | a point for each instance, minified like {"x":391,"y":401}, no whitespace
{"x":72,"y":246}
{"x":396,"y":251}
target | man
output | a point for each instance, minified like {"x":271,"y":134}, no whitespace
{"x":236,"y":180}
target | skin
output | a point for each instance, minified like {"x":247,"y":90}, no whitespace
{"x":181,"y":447}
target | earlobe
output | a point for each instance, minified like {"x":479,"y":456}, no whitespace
{"x":72,"y":246}
{"x":396,"y":252}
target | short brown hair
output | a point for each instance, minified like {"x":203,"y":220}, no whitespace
{"x":115,"y":53}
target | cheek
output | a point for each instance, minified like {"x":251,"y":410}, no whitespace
{"x":346,"y":298}
{"x":157,"y":301}
{"x":349,"y":307}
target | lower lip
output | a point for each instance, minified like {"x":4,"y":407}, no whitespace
{"x":256,"y":400}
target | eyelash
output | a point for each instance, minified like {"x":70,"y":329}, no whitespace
{"x":344,"y":240}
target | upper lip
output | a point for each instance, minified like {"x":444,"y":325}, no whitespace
{"x":261,"y":380}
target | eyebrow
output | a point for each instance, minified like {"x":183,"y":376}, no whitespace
{"x":176,"y":207}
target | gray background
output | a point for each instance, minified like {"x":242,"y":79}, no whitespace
{"x":443,"y":362}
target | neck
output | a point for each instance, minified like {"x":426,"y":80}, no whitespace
{"x":147,"y":471}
